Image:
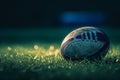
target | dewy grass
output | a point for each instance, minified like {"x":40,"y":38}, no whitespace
{"x":44,"y":61}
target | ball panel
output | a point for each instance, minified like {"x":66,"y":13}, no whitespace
{"x":79,"y":48}
{"x":105,"y":40}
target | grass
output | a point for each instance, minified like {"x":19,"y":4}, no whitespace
{"x":44,"y":62}
{"x":32,"y":60}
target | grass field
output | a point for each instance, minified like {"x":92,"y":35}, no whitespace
{"x":43,"y":61}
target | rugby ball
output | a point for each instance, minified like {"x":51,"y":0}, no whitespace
{"x":85,"y":42}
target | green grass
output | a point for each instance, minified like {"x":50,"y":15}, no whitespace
{"x":43,"y":61}
{"x":37,"y":60}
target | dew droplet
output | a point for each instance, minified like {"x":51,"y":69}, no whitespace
{"x":9,"y":48}
{"x":36,"y":47}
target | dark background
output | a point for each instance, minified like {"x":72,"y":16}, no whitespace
{"x":39,"y":20}
{"x":39,"y":13}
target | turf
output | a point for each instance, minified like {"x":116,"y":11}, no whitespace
{"x":44,"y":62}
